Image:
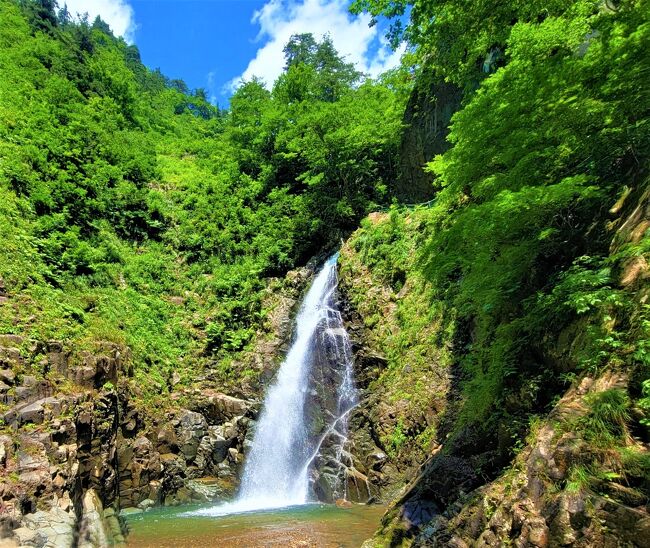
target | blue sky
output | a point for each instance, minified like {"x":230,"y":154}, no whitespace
{"x":214,"y":44}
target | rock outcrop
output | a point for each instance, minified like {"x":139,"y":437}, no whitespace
{"x":426,"y":125}
{"x":72,"y":459}
{"x":401,"y":395}
{"x":533,"y":504}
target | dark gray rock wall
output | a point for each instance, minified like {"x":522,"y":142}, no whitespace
{"x":426,"y":118}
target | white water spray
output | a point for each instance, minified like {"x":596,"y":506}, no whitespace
{"x":276,"y":472}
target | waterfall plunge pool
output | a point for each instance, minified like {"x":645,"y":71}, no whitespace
{"x":305,"y":525}
{"x":272,"y":507}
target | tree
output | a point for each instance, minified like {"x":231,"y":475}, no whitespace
{"x":462,"y":39}
{"x":64,"y":16}
{"x":315,"y":69}
{"x":42,"y":13}
{"x":300,"y":48}
{"x":101,"y":25}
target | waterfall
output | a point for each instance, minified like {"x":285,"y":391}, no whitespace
{"x":286,"y":443}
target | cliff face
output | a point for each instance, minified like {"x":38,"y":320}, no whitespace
{"x":75,"y":449}
{"x":579,"y":477}
{"x":426,"y":120}
{"x":402,"y":373}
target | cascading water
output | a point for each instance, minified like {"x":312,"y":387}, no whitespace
{"x":276,"y":472}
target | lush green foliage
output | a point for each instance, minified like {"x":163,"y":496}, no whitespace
{"x":553,"y":130}
{"x":606,"y":423}
{"x":133,"y":210}
{"x":537,"y":149}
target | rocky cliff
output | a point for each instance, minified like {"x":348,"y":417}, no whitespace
{"x":580,"y":475}
{"x":82,"y":445}
{"x":76,"y":449}
{"x":426,"y":121}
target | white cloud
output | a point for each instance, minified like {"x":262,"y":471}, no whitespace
{"x":117,"y":13}
{"x":352,"y":37}
{"x":385,"y":58}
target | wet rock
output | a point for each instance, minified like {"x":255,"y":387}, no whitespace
{"x":155,"y":489}
{"x":124,"y":456}
{"x":131,"y":511}
{"x":113,"y":526}
{"x":181,"y":496}
{"x":146,"y":504}
{"x":418,"y":511}
{"x":248,"y":437}
{"x":377,"y":460}
{"x":203,"y":491}
{"x":325,"y":483}
{"x":357,"y":486}
{"x":228,"y":430}
{"x":445,"y":479}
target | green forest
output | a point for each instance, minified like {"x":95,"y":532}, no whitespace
{"x":135,"y":212}
{"x":122,"y":188}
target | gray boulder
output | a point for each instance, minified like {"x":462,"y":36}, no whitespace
{"x":190,"y":429}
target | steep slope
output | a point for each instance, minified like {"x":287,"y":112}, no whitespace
{"x":148,"y":241}
{"x":510,"y":314}
{"x":579,"y":477}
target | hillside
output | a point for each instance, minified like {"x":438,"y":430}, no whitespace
{"x":155,"y":250}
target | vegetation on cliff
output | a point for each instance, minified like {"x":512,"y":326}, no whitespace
{"x":136,"y":212}
{"x":534,"y":254}
{"x":504,"y":325}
